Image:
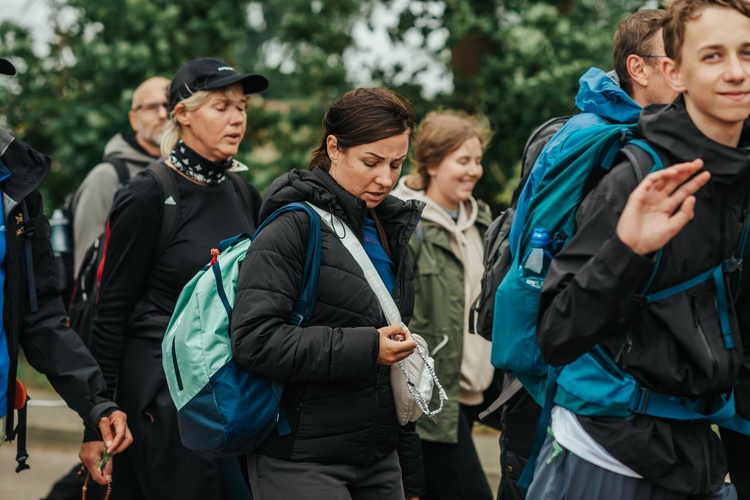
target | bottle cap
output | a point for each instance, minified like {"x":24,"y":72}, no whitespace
{"x":540,"y":237}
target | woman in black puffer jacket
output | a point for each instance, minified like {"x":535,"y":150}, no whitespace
{"x":337,"y":394}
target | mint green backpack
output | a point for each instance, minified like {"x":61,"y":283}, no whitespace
{"x":223,"y":409}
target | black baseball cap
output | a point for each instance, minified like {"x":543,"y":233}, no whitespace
{"x":6,"y":68}
{"x":209,"y":73}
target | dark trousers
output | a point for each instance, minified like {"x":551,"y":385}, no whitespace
{"x":276,"y":479}
{"x":520,"y":417}
{"x":453,"y":471}
{"x":560,"y":474}
{"x":157,"y":466}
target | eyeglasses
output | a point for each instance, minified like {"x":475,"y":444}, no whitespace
{"x":152,"y":107}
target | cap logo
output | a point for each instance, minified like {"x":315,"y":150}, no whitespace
{"x":225,"y":68}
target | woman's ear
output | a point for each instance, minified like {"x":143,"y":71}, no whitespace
{"x":672,"y":74}
{"x":181,"y":114}
{"x":332,"y":147}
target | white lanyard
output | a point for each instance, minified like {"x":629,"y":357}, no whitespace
{"x":390,"y":310}
{"x":392,"y":314}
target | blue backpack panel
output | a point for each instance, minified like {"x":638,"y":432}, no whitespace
{"x":553,"y":206}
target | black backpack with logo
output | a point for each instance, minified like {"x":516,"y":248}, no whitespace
{"x":497,"y":256}
{"x":66,"y":275}
{"x":85,"y":288}
{"x":83,"y":299}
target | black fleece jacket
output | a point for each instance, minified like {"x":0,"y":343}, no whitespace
{"x":50,"y":347}
{"x":675,"y":345}
{"x":337,"y":398}
{"x":139,"y":289}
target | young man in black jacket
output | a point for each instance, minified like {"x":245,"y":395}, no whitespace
{"x":33,"y":312}
{"x":690,"y":344}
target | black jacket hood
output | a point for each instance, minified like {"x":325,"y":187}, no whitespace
{"x":27,"y":168}
{"x":320,"y":189}
{"x":671,"y":129}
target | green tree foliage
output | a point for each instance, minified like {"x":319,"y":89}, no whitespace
{"x":70,"y":102}
{"x":301,"y":53}
{"x":516,"y":61}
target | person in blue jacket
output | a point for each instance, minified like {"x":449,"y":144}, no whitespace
{"x":603,"y":97}
{"x":33,"y":312}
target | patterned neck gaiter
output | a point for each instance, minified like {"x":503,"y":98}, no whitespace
{"x":197,"y":167}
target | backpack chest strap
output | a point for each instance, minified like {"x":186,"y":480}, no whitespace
{"x":717,"y":274}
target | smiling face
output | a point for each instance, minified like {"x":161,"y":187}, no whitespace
{"x":215,"y":129}
{"x":453,"y":179}
{"x":368,"y":171}
{"x":714,"y":73}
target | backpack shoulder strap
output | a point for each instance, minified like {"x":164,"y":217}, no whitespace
{"x":170,"y":204}
{"x":533,"y":148}
{"x":305,"y":303}
{"x":643,"y":158}
{"x":244,"y":190}
{"x":123,"y":174}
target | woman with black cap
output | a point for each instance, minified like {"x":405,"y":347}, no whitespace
{"x":156,"y":240}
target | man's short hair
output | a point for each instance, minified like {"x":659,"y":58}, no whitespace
{"x":635,"y":36}
{"x":681,"y":12}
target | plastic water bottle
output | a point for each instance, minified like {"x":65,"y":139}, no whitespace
{"x":534,"y":265}
{"x":59,"y":232}
{"x":61,"y":247}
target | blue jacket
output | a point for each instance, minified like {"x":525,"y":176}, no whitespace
{"x":601,"y":101}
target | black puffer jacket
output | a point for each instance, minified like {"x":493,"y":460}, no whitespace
{"x":337,"y":399}
{"x":673,"y":346}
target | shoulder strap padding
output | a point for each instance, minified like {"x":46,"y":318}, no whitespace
{"x":245,"y":194}
{"x":643,"y":161}
{"x":123,"y":174}
{"x":533,"y":147}
{"x":170,"y":209}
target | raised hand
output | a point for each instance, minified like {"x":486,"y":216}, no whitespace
{"x":661,"y":205}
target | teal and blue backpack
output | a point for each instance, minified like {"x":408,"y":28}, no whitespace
{"x":593,"y":385}
{"x":223,"y":409}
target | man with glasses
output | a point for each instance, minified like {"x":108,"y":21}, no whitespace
{"x":124,"y":156}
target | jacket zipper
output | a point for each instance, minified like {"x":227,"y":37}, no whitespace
{"x":702,"y":334}
{"x":371,"y":458}
{"x":723,"y":225}
{"x":176,"y":365}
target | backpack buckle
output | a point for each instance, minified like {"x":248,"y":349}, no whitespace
{"x":639,"y":401}
{"x":732,"y":265}
{"x":639,"y":300}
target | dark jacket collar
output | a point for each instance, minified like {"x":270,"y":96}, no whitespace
{"x":319,"y":188}
{"x":670,"y":128}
